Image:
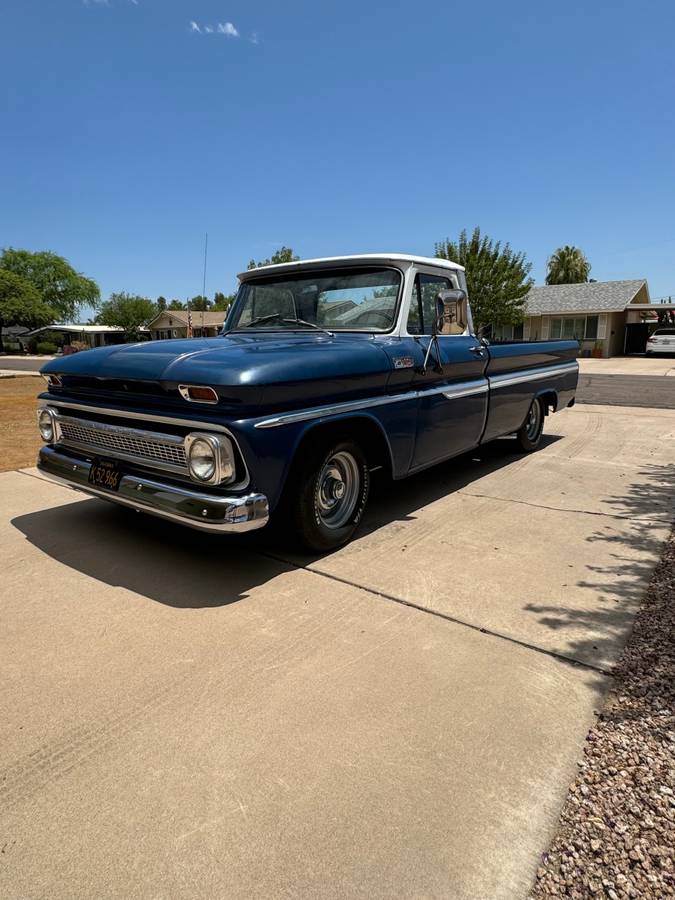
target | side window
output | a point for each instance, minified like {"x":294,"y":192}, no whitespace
{"x":422,"y":305}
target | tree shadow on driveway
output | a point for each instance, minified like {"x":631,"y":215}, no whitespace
{"x":183,"y":568}
{"x":645,"y":515}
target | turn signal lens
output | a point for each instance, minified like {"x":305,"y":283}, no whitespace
{"x":197,"y":393}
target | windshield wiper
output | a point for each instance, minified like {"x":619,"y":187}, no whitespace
{"x":277,"y":315}
{"x":308,"y":324}
{"x":259,"y":319}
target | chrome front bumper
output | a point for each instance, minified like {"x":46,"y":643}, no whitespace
{"x":207,"y":512}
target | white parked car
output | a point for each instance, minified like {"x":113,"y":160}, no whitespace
{"x":661,"y":341}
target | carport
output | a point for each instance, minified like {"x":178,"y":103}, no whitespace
{"x":643,"y":321}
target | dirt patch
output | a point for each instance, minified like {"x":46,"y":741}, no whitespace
{"x":617,"y":829}
{"x":19,"y":437}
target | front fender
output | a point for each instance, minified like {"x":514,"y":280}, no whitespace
{"x":270,"y":451}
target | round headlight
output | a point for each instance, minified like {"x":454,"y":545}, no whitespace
{"x":202,"y":460}
{"x":46,"y":425}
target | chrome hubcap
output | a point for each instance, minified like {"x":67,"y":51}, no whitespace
{"x":338,"y":488}
{"x":533,"y":424}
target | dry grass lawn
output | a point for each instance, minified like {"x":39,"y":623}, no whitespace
{"x":19,"y":437}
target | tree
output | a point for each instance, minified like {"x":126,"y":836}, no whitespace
{"x":20,"y":304}
{"x":128,"y":311}
{"x":176,"y":305}
{"x":496,"y":276}
{"x":161,"y":304}
{"x":283,"y":255}
{"x":222,"y":302}
{"x":56,"y":281}
{"x":568,"y":265}
{"x":200,"y":304}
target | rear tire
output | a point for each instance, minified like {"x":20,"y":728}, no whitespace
{"x":530,"y":433}
{"x":327,"y":493}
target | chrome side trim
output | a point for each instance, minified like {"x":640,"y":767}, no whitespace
{"x":522,"y":376}
{"x":465,"y":389}
{"x":205,"y":512}
{"x":316,"y":412}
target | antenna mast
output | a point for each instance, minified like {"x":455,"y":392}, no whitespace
{"x":206,"y":248}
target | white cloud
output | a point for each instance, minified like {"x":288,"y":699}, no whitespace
{"x":96,"y":2}
{"x":254,"y":38}
{"x":228,"y":29}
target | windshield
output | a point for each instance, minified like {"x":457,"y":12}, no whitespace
{"x":351,"y":299}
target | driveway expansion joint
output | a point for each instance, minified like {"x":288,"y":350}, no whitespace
{"x":560,"y":657}
{"x":581,"y":512}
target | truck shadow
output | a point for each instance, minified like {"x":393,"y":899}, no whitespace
{"x":187,"y":569}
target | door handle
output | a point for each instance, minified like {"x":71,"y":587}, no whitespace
{"x":476,"y":350}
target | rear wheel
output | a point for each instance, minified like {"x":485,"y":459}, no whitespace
{"x":328,"y":492}
{"x":530,"y":433}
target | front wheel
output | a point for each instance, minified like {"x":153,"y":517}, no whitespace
{"x":530,"y":433}
{"x":328,"y":493}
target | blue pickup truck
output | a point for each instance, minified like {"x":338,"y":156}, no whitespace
{"x":325,"y":370}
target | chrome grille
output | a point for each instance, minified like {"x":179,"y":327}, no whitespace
{"x":163,"y":451}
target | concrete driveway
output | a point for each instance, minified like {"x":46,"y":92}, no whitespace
{"x":191,"y":716}
{"x":628,"y":365}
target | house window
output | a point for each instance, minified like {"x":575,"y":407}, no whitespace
{"x":577,"y":328}
{"x":591,"y":332}
{"x":507,"y":332}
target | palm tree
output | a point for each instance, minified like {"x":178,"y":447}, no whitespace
{"x":568,"y":265}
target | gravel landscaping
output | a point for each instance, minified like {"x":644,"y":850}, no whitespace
{"x":616,"y":836}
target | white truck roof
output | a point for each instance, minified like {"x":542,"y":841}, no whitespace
{"x":358,"y":259}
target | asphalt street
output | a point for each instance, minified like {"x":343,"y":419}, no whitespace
{"x":22,"y":363}
{"x":652,"y":391}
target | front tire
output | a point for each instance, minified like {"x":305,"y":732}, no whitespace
{"x":530,"y":433}
{"x":328,"y":493}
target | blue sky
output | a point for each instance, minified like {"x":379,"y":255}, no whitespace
{"x":127,"y":132}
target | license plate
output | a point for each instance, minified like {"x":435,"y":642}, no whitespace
{"x":105,"y":473}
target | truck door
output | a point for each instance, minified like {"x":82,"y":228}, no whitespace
{"x":453,"y":393}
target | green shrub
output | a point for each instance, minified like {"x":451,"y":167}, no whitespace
{"x":46,"y":348}
{"x":53,"y":337}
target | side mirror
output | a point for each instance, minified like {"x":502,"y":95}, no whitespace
{"x":452,"y":312}
{"x":480,"y":334}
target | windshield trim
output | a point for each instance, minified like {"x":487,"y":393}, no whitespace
{"x":272,"y":277}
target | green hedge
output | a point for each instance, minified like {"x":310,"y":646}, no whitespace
{"x":46,"y":348}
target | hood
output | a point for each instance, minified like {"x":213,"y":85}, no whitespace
{"x":264,"y":361}
{"x":229,"y":360}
